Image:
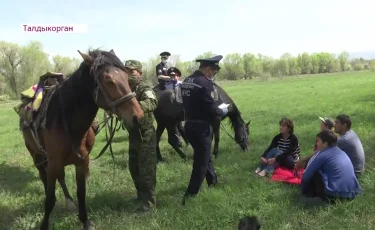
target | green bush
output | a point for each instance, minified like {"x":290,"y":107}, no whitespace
{"x":4,"y":97}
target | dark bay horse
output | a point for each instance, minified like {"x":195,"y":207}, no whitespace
{"x":167,"y":115}
{"x":169,"y":112}
{"x":100,"y":81}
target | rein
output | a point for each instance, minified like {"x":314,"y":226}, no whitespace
{"x":223,"y":128}
{"x":109,"y":142}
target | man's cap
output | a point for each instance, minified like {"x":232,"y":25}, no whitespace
{"x":133,"y":64}
{"x":165,"y":54}
{"x":173,"y":70}
{"x":214,"y":61}
{"x":328,"y":121}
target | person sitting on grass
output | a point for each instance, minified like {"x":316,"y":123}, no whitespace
{"x":350,"y":143}
{"x":329,"y":174}
{"x":326,"y":123}
{"x":283,"y":150}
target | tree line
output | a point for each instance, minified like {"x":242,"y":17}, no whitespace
{"x":21,"y":66}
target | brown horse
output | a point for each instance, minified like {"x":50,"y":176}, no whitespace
{"x":100,"y":81}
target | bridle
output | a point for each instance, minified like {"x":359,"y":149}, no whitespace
{"x":112,"y":104}
{"x":239,"y":142}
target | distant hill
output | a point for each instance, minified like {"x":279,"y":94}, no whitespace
{"x":364,"y":55}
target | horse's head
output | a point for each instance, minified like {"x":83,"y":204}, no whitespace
{"x":112,"y":87}
{"x":241,"y":135}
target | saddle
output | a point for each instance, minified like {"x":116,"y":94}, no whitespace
{"x":32,"y":98}
{"x":176,"y":92}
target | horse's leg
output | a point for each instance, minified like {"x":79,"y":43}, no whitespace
{"x":159,"y":131}
{"x":40,"y":163}
{"x":68,"y":198}
{"x":181,"y":130}
{"x":52,"y":173}
{"x":177,"y":132}
{"x":173,"y":139}
{"x":81,"y":171}
{"x":47,"y":175}
{"x":43,"y":177}
{"x":180,"y":127}
{"x":216,"y":132}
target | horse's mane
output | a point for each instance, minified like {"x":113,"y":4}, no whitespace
{"x":76,"y":93}
{"x":235,"y":114}
{"x":68,"y":98}
{"x":105,"y":58}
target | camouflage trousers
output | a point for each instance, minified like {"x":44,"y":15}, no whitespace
{"x":142,"y":165}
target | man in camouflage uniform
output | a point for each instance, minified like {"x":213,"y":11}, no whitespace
{"x":142,"y":140}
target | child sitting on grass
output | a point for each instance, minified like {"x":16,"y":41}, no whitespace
{"x":284,"y":150}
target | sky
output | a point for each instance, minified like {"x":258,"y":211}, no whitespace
{"x":142,"y":29}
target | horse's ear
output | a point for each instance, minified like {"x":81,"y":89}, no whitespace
{"x":87,"y":58}
{"x":248,"y":123}
{"x":113,"y":52}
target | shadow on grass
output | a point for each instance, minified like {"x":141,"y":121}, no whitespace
{"x":15,"y":179}
{"x":124,"y":202}
{"x":9,"y":216}
{"x":368,"y":98}
{"x":113,"y":200}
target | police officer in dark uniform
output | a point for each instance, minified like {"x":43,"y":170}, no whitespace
{"x":200,"y":109}
{"x":161,"y":70}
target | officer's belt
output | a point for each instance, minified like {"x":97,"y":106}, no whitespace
{"x":198,"y":121}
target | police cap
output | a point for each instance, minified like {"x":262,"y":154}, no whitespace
{"x":165,"y":54}
{"x":173,"y":70}
{"x":213,"y":62}
{"x":133,"y":64}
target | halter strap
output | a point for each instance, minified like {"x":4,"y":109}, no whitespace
{"x":112,"y":104}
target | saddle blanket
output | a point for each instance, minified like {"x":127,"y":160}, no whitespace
{"x":36,"y":94}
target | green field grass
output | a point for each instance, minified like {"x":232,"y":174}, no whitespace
{"x":239,"y":191}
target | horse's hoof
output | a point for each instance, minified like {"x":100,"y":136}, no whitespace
{"x":88,"y":226}
{"x":70,"y":205}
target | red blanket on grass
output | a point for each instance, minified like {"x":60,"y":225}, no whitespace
{"x":287,"y":176}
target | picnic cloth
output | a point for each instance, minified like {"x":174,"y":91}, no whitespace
{"x":288,"y":176}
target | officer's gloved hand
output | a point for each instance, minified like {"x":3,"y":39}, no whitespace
{"x":224,"y":108}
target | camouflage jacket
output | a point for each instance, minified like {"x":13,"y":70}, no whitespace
{"x":148,"y":102}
